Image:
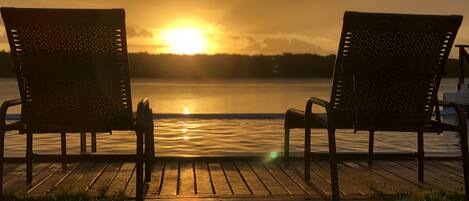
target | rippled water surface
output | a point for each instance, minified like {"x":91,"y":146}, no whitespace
{"x":193,"y":137}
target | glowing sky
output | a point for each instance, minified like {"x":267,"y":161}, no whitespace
{"x":245,"y":26}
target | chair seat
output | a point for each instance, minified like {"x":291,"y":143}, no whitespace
{"x":294,"y":118}
{"x":13,"y":125}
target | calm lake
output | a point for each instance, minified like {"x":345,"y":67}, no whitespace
{"x":189,"y":137}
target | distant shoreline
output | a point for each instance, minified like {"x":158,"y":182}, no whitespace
{"x":227,"y":66}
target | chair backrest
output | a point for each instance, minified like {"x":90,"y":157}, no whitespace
{"x":389,"y":67}
{"x":72,"y":68}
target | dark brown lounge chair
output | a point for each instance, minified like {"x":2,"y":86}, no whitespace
{"x":73,"y":77}
{"x":386,"y":78}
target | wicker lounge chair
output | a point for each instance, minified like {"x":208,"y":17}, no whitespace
{"x":386,"y":78}
{"x":73,"y":77}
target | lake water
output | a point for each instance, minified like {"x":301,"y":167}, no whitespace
{"x":234,"y":136}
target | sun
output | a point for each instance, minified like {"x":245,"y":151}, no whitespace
{"x":185,"y":40}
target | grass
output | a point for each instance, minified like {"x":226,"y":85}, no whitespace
{"x":428,"y":196}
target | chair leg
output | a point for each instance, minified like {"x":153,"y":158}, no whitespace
{"x":333,"y":165}
{"x":2,"y":143}
{"x":420,"y":156}
{"x":29,"y":158}
{"x":83,"y":142}
{"x":93,"y":142}
{"x":371,"y":147}
{"x":286,"y":146}
{"x":148,"y":156}
{"x":307,"y":154}
{"x":63,"y":145}
{"x":139,"y":167}
{"x":465,"y":160}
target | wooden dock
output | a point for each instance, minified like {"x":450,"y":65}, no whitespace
{"x":235,"y":179}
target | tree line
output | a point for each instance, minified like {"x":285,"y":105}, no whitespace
{"x":201,"y":66}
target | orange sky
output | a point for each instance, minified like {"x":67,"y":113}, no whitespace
{"x":246,"y":26}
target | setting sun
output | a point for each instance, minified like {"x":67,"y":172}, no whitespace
{"x":185,"y":41}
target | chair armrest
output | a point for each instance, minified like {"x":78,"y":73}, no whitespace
{"x":143,"y":115}
{"x":316,"y":101}
{"x":459,"y":112}
{"x":309,"y":108}
{"x":4,"y":108}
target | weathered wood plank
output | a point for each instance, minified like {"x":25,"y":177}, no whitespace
{"x":439,"y":169}
{"x":156,"y":179}
{"x":131,"y":185}
{"x":103,"y":182}
{"x":434,"y":177}
{"x":186,"y":178}
{"x":346,"y":186}
{"x":203,"y":181}
{"x":251,"y":179}
{"x":170,"y":179}
{"x":39,"y":178}
{"x":52,"y":181}
{"x":287,"y":183}
{"x":440,"y":165}
{"x":269,"y":181}
{"x":237,"y":184}
{"x":290,"y":170}
{"x":20,"y":181}
{"x":238,"y":179}
{"x":82,"y":183}
{"x":375,"y":181}
{"x":317,"y":181}
{"x":403,"y":173}
{"x":220,"y":183}
{"x":121,"y":180}
{"x":68,"y":183}
{"x":390,"y":176}
{"x":14,"y":172}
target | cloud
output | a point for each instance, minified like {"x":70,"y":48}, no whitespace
{"x":138,"y":32}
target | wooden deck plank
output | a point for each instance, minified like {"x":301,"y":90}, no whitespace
{"x":186,"y":178}
{"x":346,"y":185}
{"x":434,"y":177}
{"x":274,"y":187}
{"x":392,"y":176}
{"x":284,"y":180}
{"x":435,"y":166}
{"x":317,"y":181}
{"x":170,"y":179}
{"x":203,"y":181}
{"x":297,"y":177}
{"x":156,"y":179}
{"x":20,"y":181}
{"x":16,"y":171}
{"x":121,"y":180}
{"x":39,"y":178}
{"x":130,"y":188}
{"x":237,"y":183}
{"x":52,"y":181}
{"x":90,"y":175}
{"x":237,"y":179}
{"x":361,"y":187}
{"x":376,"y":182}
{"x":403,"y":173}
{"x":447,"y":166}
{"x":103,"y":182}
{"x":253,"y":182}
{"x":220,"y":183}
{"x":68,"y":183}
